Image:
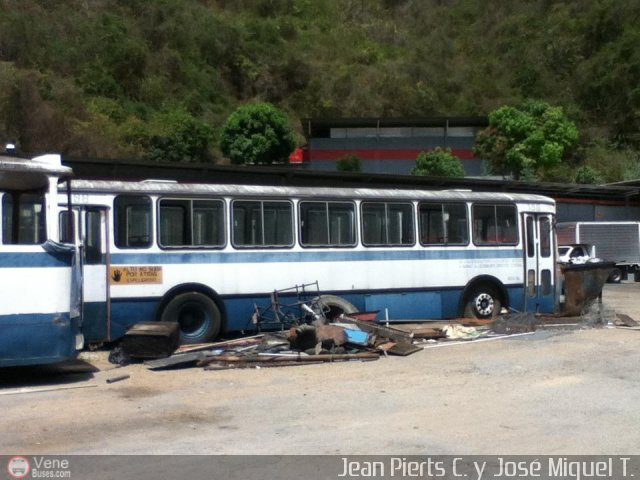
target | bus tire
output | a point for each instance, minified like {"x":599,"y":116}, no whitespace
{"x":483,"y":303}
{"x":198,"y":315}
{"x":333,"y":306}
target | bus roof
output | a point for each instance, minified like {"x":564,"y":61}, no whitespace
{"x":191,"y":189}
{"x":27,"y":174}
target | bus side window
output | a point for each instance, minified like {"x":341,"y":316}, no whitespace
{"x":373,"y":224}
{"x":7,"y":218}
{"x":455,"y":217}
{"x":185,"y":223}
{"x":67,"y":235}
{"x":506,"y":219}
{"x":23,"y":222}
{"x":341,"y":224}
{"x":495,"y":225}
{"x":327,"y":224}
{"x":278,"y":223}
{"x":262,"y":224}
{"x":431,"y":224}
{"x":174,"y":222}
{"x":443,"y":224}
{"x":93,"y":238}
{"x":387,"y":223}
{"x":208,"y":223}
{"x":132,"y":223}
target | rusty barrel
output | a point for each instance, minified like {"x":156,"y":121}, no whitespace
{"x":583,"y":284}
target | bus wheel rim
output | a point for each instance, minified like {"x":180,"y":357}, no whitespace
{"x":484,"y":304}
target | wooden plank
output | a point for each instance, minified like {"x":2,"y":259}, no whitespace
{"x":287,"y":358}
{"x":232,"y":366}
{"x":44,"y":389}
{"x":426,"y":330}
{"x":253,"y":340}
{"x":427,"y":324}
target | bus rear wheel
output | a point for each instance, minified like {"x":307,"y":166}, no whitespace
{"x":483,"y":303}
{"x":332,"y":306}
{"x":197,"y":314}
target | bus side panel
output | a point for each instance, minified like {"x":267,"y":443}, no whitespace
{"x":406,"y":306}
{"x":125,"y":312}
{"x":29,"y":339}
{"x":516,"y":298}
{"x":35,"y":322}
{"x":416,"y":305}
{"x":94,"y":324}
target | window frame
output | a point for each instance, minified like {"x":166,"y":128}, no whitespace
{"x":442,"y":204}
{"x":116,"y":239}
{"x":386,"y":204}
{"x":354,"y":230}
{"x":40,"y":226}
{"x":495,"y":205}
{"x":262,"y":201}
{"x":191,"y":200}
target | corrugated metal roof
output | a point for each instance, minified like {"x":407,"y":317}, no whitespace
{"x":296,"y":176}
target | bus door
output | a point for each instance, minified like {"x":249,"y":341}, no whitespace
{"x":96,"y":324}
{"x":539,"y":262}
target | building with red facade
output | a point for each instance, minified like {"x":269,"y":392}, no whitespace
{"x":388,"y":145}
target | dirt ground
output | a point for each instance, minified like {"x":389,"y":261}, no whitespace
{"x":557,"y":391}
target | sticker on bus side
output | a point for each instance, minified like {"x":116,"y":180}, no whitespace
{"x":127,"y":275}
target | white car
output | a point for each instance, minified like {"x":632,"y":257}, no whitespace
{"x":577,"y":253}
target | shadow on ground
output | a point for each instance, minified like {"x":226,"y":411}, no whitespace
{"x":66,"y":373}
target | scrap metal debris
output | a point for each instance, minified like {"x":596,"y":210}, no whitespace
{"x":623,"y":320}
{"x":245,"y":361}
{"x":348,"y":339}
{"x":301,"y":333}
{"x":119,"y":378}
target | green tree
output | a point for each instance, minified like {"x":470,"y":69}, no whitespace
{"x":440,"y":162}
{"x":257,"y":133}
{"x":179,"y":137}
{"x":524,"y":141}
{"x":587,"y":175}
{"x":349,"y":163}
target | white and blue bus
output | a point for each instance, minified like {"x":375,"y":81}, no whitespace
{"x":205,"y":255}
{"x":39,"y":286}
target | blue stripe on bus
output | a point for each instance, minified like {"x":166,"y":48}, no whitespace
{"x":45,"y":259}
{"x":34,"y":259}
{"x":308,"y":256}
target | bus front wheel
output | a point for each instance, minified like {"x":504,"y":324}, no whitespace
{"x":483,"y":303}
{"x":197,"y":314}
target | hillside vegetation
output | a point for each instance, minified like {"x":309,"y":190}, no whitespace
{"x":139,"y":78}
